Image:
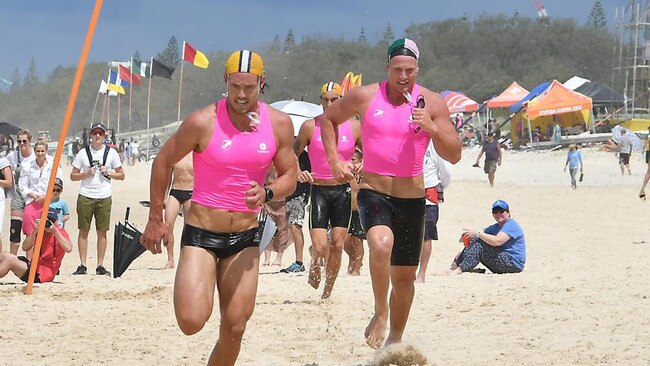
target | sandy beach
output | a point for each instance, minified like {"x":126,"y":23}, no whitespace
{"x":583,"y":298}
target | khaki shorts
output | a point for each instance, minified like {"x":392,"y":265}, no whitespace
{"x":17,"y":201}
{"x":490,"y":167}
{"x":100,"y":208}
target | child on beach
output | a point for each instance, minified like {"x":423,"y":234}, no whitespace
{"x":58,"y":203}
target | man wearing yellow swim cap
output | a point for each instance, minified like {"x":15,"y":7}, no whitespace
{"x":330,"y":199}
{"x":398,"y":120}
{"x":233,"y":143}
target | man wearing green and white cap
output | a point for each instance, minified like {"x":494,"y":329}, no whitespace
{"x":398,"y":120}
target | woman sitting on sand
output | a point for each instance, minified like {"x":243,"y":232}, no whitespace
{"x":501,"y":247}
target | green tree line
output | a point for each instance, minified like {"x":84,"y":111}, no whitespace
{"x":479,"y":57}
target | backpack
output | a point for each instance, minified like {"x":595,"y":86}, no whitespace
{"x":90,"y":157}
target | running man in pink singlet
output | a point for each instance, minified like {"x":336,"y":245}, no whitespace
{"x":331,"y":201}
{"x":233,"y":143}
{"x":399,"y":118}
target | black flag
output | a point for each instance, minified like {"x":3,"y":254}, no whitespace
{"x":159,"y":69}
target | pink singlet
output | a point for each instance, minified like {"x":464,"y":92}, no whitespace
{"x":391,"y":147}
{"x":320,"y":168}
{"x":232,"y":159}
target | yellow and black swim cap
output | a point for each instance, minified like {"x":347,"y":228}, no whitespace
{"x":331,"y":86}
{"x":245,"y":61}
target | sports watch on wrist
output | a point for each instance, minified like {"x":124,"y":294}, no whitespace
{"x":269,"y":194}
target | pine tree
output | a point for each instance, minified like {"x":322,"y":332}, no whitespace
{"x":171,"y":55}
{"x":136,"y":56}
{"x":31,"y":77}
{"x":276,"y":45}
{"x":389,"y":35}
{"x":289,"y":41}
{"x":597,"y":17}
{"x":15,"y":79}
{"x":362,"y":36}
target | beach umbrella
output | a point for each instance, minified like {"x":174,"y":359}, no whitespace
{"x":7,"y":128}
{"x":126,"y":246}
{"x":637,"y":144}
{"x":298,"y":111}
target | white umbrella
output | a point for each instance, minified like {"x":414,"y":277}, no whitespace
{"x":299,"y":111}
{"x":637,"y":144}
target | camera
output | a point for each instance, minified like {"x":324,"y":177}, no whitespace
{"x":48,"y":223}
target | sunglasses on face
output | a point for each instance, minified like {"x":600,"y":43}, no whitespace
{"x":57,"y":190}
{"x":23,"y":141}
{"x":98,"y":133}
{"x":498,"y":210}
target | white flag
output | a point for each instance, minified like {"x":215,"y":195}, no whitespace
{"x":103,"y":87}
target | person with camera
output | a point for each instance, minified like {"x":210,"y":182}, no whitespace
{"x":56,"y":242}
{"x":95,"y":166}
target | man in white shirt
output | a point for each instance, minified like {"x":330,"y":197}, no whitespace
{"x":24,"y":154}
{"x":95,"y":166}
{"x":437,"y":177}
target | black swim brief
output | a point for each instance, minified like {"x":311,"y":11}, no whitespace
{"x":180,"y":195}
{"x":221,"y":244}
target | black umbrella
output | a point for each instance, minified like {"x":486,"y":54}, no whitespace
{"x":126,"y":247}
{"x":7,"y":128}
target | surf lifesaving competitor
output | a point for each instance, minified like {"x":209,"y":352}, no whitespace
{"x":331,"y":201}
{"x":233,"y":143}
{"x":398,"y":119}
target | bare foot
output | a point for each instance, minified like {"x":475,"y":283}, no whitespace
{"x":393,"y":338}
{"x":277,"y":264}
{"x":419,"y":279}
{"x":376,"y":331}
{"x":314,"y":275}
{"x":170,"y":264}
{"x":265,"y":264}
{"x":327,"y":292}
{"x":355,"y":273}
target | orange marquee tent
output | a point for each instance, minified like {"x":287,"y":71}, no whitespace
{"x":556,"y":105}
{"x":508,"y":97}
{"x":557,"y":99}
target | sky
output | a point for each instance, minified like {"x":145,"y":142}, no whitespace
{"x":53,"y":31}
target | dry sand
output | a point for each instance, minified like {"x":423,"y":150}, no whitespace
{"x":581,"y":300}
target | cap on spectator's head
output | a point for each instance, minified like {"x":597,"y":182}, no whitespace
{"x":501,"y":204}
{"x":58,"y":182}
{"x":97,"y":125}
{"x":52,"y":215}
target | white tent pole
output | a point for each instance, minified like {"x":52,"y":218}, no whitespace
{"x":530,"y":131}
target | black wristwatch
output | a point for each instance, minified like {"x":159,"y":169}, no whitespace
{"x":269,"y":194}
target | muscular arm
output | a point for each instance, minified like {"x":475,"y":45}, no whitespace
{"x":285,"y":160}
{"x":299,"y":144}
{"x":354,"y":102}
